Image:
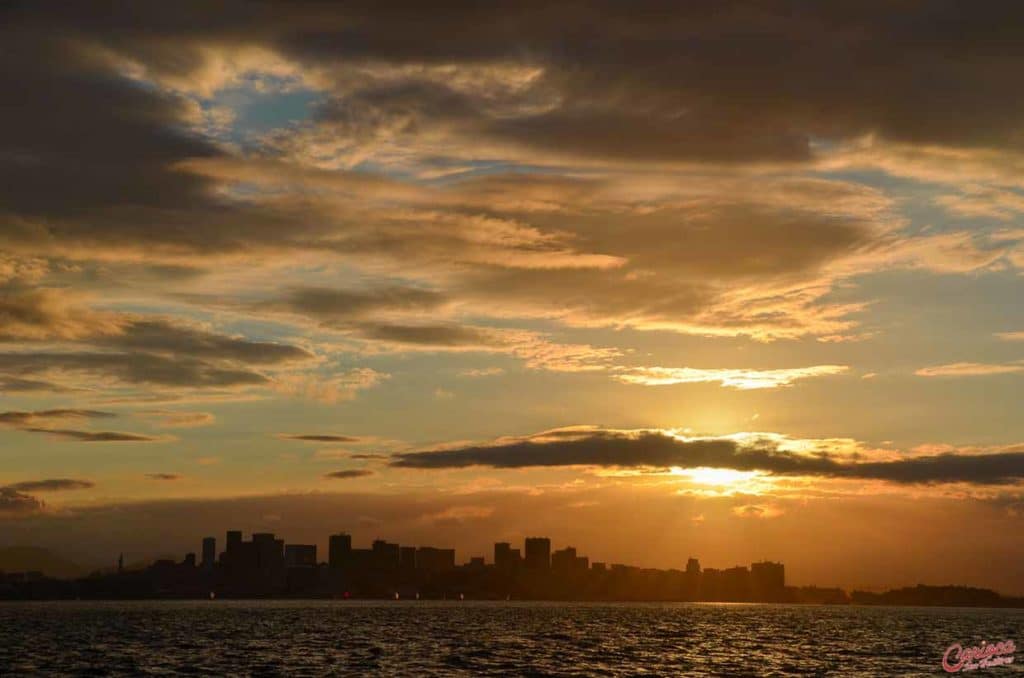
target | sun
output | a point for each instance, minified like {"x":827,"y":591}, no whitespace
{"x":719,"y":477}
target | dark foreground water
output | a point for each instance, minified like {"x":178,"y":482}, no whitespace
{"x":314,"y":638}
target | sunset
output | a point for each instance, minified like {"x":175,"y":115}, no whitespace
{"x":739,"y":282}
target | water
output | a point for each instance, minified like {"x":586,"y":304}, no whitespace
{"x":316,"y":638}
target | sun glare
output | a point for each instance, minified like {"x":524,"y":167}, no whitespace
{"x":715,"y":476}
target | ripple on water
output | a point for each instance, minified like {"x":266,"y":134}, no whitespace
{"x":316,"y":638}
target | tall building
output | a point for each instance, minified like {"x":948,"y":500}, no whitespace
{"x":735,"y":583}
{"x":269,"y":552}
{"x":433,"y":560}
{"x":506,"y":558}
{"x":300,"y":555}
{"x":209,"y":551}
{"x":386,"y":556}
{"x":767,"y":580}
{"x":232,"y":546}
{"x":564,"y":560}
{"x":339,"y":550}
{"x":693,"y":566}
{"x":538,"y":553}
{"x":407,"y":558}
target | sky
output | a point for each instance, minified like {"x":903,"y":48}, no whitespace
{"x":658,"y":280}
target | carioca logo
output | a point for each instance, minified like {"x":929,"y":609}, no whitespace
{"x":957,"y":657}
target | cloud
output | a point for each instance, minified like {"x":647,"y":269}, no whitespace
{"x":24,"y":419}
{"x":535,"y":349}
{"x":50,"y":485}
{"x":981,"y":201}
{"x":349,"y":473}
{"x":42,"y":421}
{"x":15,"y":500}
{"x":96,"y":436}
{"x":757,"y":511}
{"x":329,"y":389}
{"x":732,"y":378}
{"x":161,"y":353}
{"x":178,"y":419}
{"x":318,"y":437}
{"x":1011,"y":336}
{"x":584,"y":446}
{"x":163,"y":476}
{"x":477,"y":372}
{"x":18,"y":385}
{"x":664,"y":142}
{"x":332,"y":306}
{"x":968,"y":370}
{"x":164,"y":338}
{"x":133,"y":368}
{"x":43,"y":313}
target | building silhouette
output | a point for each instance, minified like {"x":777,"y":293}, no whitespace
{"x":538,"y":553}
{"x":265,"y":566}
{"x":209,"y":552}
{"x":435,"y":560}
{"x":300,"y":555}
{"x":339,"y":549}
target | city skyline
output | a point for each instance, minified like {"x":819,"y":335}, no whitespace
{"x":266,"y":566}
{"x":728,"y":278}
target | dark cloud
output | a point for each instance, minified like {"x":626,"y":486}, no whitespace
{"x":733,"y":81}
{"x":319,"y":437}
{"x":134,"y":368}
{"x":160,"y":353}
{"x":610,"y":448}
{"x":96,"y":436}
{"x":17,"y":385}
{"x":651,"y":81}
{"x":34,"y":422}
{"x":165,"y":338}
{"x":651,"y":85}
{"x":431,"y":335}
{"x":23,"y":418}
{"x":334,"y":305}
{"x":13,"y":502}
{"x":51,"y":485}
{"x":163,"y":476}
{"x":350,"y":473}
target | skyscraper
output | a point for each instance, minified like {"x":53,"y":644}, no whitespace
{"x":407,"y":558}
{"x":300,"y":555}
{"x":339,"y":550}
{"x":386,"y":556}
{"x":209,"y":552}
{"x":233,"y":545}
{"x":430,"y":559}
{"x":538,"y":553}
{"x":768,"y":580}
{"x":505,"y":558}
{"x":563,"y":561}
